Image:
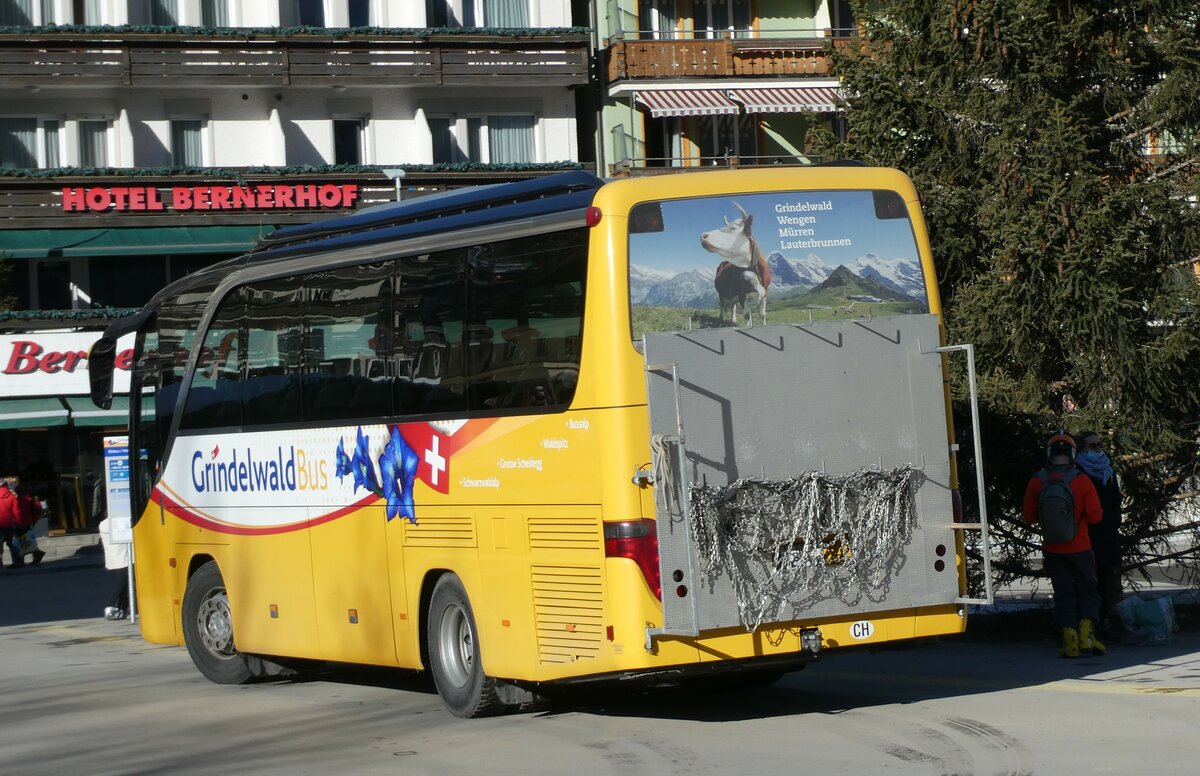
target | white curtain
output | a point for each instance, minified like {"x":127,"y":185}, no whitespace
{"x":506,"y":13}
{"x":91,"y":13}
{"x":50,"y":129}
{"x":510,"y":139}
{"x":214,"y":13}
{"x":18,"y":143}
{"x":186,"y":150}
{"x":93,"y":143}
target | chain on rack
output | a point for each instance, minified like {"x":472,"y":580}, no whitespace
{"x":789,"y":544}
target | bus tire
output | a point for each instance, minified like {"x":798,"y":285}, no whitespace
{"x":454,"y":654}
{"x":208,"y":628}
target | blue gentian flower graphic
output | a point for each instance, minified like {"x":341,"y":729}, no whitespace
{"x":341,"y":460}
{"x":362,"y":467}
{"x":398,"y":464}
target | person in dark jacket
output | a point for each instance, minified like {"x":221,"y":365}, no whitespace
{"x":1106,"y":535}
{"x":1070,"y":564}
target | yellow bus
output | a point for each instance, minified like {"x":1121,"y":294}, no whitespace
{"x":555,"y":431}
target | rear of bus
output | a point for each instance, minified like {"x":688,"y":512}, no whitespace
{"x":775,"y":336}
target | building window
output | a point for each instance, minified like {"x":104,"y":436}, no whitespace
{"x":717,"y":18}
{"x":359,"y":13}
{"x":445,"y":144}
{"x":86,"y":11}
{"x":505,"y":13}
{"x":18,"y":143}
{"x":510,"y":139}
{"x":26,"y":13}
{"x":214,"y":13}
{"x":312,"y":13}
{"x":50,"y":132}
{"x":657,"y":20}
{"x":29,"y":142}
{"x":724,"y":137}
{"x":486,"y":139}
{"x":187,"y":142}
{"x":437,"y":14}
{"x":163,"y":13}
{"x":93,"y":143}
{"x":348,"y":140}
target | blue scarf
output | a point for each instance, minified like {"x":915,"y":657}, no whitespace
{"x":1095,"y":463}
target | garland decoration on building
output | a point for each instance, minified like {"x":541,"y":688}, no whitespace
{"x":280,"y":171}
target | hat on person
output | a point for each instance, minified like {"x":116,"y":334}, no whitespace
{"x":1061,"y":443}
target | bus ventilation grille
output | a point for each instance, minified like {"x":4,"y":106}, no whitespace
{"x":568,"y":612}
{"x":564,"y":533}
{"x":440,"y":532}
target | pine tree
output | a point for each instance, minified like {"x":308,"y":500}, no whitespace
{"x":1065,"y":250}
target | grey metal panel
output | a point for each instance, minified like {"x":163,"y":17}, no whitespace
{"x":778,"y":401}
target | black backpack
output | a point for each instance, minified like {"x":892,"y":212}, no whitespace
{"x":1056,"y":507}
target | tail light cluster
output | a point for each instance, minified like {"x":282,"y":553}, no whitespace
{"x":638,"y":541}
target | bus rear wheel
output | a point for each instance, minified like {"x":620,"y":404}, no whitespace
{"x":454,"y":654}
{"x":208,"y":628}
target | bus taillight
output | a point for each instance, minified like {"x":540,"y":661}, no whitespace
{"x":638,"y":541}
{"x":592,"y":215}
{"x":956,"y":502}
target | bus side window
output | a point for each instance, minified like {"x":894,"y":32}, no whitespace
{"x":524,"y":302}
{"x":342,"y":310}
{"x":429,"y":296}
{"x":215,"y":396}
{"x":275,"y":345}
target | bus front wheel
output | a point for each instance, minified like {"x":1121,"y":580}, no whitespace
{"x":208,"y":628}
{"x":454,"y":656}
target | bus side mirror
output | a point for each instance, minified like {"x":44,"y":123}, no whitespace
{"x":100,"y":371}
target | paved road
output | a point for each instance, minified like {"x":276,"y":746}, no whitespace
{"x":82,"y":695}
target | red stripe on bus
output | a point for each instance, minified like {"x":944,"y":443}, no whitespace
{"x":188,"y":516}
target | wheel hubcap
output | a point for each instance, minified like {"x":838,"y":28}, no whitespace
{"x":216,"y":624}
{"x":456,"y":645}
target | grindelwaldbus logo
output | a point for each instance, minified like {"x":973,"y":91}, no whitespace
{"x":277,"y":471}
{"x":278,"y":481}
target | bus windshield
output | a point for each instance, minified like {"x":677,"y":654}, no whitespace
{"x":777,"y":257}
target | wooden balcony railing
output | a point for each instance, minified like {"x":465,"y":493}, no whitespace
{"x":67,"y":60}
{"x":727,"y":57}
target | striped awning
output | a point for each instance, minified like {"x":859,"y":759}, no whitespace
{"x":789,"y":99}
{"x":687,"y":102}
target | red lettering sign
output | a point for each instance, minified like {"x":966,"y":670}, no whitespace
{"x":187,"y":198}
{"x":24,"y":358}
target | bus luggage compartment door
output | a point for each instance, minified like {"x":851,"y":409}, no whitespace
{"x":835,"y":435}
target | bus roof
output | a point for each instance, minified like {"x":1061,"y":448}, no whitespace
{"x":444,"y":212}
{"x":449,"y":211}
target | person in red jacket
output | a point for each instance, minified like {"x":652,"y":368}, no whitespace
{"x":1070,"y":564}
{"x":10,"y":523}
{"x":29,"y":511}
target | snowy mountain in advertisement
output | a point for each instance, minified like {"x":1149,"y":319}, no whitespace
{"x":896,"y":274}
{"x":642,"y":279}
{"x":687,"y":289}
{"x":806,"y":272}
{"x":659,"y":288}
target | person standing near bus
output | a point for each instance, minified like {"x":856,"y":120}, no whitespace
{"x":1105,"y":535}
{"x":1065,"y":505}
{"x":10,"y":524}
{"x":116,"y":560}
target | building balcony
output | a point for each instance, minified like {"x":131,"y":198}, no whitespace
{"x":46,"y":59}
{"x":783,"y":54}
